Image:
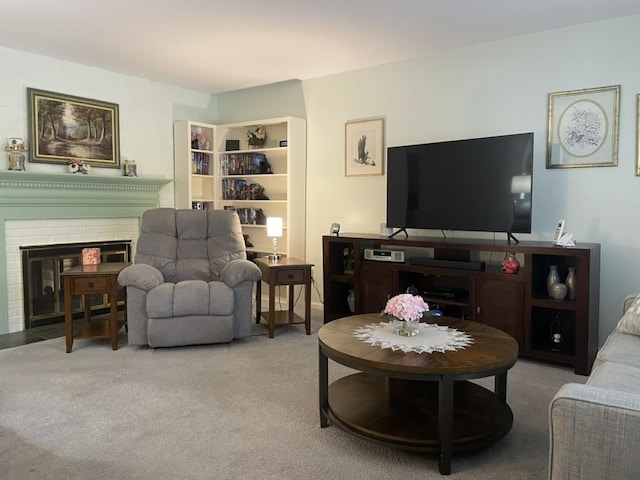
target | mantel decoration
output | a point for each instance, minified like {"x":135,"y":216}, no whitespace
{"x":15,"y":148}
{"x":583,"y":128}
{"x":404,"y":312}
{"x":364,"y":147}
{"x":257,"y":137}
{"x":63,"y":128}
{"x":76,"y":165}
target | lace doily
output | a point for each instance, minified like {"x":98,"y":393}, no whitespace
{"x":431,"y":338}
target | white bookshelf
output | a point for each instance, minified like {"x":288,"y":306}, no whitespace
{"x":285,"y":186}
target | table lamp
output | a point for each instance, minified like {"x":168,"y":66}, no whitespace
{"x":274,"y":230}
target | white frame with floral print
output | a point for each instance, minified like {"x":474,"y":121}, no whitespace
{"x":364,"y":147}
{"x":583,"y":128}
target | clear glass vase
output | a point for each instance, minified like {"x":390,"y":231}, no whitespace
{"x":405,"y":328}
{"x":552,"y":279}
{"x":571,"y":282}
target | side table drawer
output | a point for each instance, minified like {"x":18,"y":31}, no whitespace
{"x":90,"y":285}
{"x":294,"y":275}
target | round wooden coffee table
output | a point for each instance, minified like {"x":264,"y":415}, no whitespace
{"x":417,"y":401}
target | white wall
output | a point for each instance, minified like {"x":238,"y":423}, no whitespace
{"x":491,"y":89}
{"x":147,"y":109}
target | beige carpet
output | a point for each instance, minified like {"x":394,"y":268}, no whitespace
{"x":247,"y":410}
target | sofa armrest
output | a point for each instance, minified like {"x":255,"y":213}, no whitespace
{"x":145,"y":277}
{"x":628,"y":301}
{"x":238,"y":271}
{"x":594,"y":433}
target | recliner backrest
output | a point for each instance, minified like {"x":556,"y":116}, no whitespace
{"x":189,"y":244}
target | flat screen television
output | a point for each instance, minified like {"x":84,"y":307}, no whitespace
{"x":478,"y":184}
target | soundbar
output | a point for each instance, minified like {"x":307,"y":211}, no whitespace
{"x":435,"y":262}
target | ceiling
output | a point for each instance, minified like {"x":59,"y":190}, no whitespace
{"x":216,"y":46}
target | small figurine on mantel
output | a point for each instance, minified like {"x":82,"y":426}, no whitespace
{"x":78,"y":166}
{"x":130,"y":169}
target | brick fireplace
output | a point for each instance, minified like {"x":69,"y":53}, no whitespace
{"x":44,"y":208}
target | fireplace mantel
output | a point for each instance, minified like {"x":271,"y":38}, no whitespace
{"x":19,"y":188}
{"x":35,"y":196}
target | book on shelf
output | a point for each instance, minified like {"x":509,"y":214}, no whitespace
{"x":200,"y":163}
{"x":244,"y":164}
{"x":249,"y":216}
{"x":240,"y":189}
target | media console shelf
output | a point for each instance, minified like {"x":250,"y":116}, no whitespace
{"x":515,"y":303}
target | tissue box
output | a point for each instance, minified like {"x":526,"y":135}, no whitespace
{"x":90,"y":256}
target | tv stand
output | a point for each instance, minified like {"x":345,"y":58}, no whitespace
{"x":406,"y":235}
{"x":518,"y":304}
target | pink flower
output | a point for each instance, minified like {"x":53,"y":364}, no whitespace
{"x":406,"y":307}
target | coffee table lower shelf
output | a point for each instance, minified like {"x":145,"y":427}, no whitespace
{"x":404,"y":413}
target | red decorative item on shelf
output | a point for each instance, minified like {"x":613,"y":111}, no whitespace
{"x":510,"y":263}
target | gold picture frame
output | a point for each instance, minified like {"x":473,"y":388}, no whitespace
{"x":638,"y":136}
{"x":583,"y":128}
{"x":64,"y":128}
{"x":364,"y":147}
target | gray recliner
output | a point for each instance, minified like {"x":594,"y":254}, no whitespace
{"x":191,"y":282}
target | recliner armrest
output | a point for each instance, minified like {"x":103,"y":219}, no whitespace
{"x":238,"y":271}
{"x":140,"y":275}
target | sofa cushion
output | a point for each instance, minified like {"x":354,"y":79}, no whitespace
{"x":616,"y":376}
{"x":630,"y":321}
{"x":620,"y":348}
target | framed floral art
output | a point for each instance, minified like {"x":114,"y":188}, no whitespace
{"x":583,"y":128}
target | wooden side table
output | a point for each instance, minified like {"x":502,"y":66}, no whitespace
{"x":87,"y":280}
{"x":286,"y":271}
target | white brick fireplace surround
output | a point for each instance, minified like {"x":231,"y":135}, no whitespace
{"x":45,"y":208}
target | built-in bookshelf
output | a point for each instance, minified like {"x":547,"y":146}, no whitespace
{"x":258,"y":182}
{"x":194,"y":162}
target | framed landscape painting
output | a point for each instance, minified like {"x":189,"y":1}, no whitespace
{"x":364,"y":147}
{"x":583,"y":128}
{"x":64,"y":127}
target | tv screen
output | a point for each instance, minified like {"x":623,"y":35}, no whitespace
{"x":479,"y":184}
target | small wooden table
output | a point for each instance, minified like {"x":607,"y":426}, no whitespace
{"x":417,"y":401}
{"x":87,"y":280}
{"x":286,"y":271}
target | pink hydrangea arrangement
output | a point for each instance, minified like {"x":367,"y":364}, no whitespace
{"x":406,"y":307}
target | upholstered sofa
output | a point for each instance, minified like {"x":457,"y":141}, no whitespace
{"x":595,"y":427}
{"x":190,"y":282}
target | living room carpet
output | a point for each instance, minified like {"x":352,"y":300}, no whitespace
{"x":245,"y":410}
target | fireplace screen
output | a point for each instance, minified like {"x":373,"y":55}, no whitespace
{"x":44,"y":291}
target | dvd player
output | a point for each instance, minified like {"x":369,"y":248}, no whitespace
{"x":384,"y":255}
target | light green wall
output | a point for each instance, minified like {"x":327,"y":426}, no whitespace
{"x":282,"y":99}
{"x":491,"y":89}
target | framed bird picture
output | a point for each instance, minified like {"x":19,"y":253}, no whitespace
{"x":364,"y":147}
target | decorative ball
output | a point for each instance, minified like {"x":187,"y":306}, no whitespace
{"x":558,"y":291}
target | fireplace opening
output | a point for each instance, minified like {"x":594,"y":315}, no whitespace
{"x":43,"y":290}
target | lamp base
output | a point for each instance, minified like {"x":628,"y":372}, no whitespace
{"x":275,"y":257}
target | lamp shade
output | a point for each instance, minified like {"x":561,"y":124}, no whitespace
{"x":521,"y":184}
{"x":274,"y":226}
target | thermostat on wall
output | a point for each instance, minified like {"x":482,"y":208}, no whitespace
{"x":384,"y":255}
